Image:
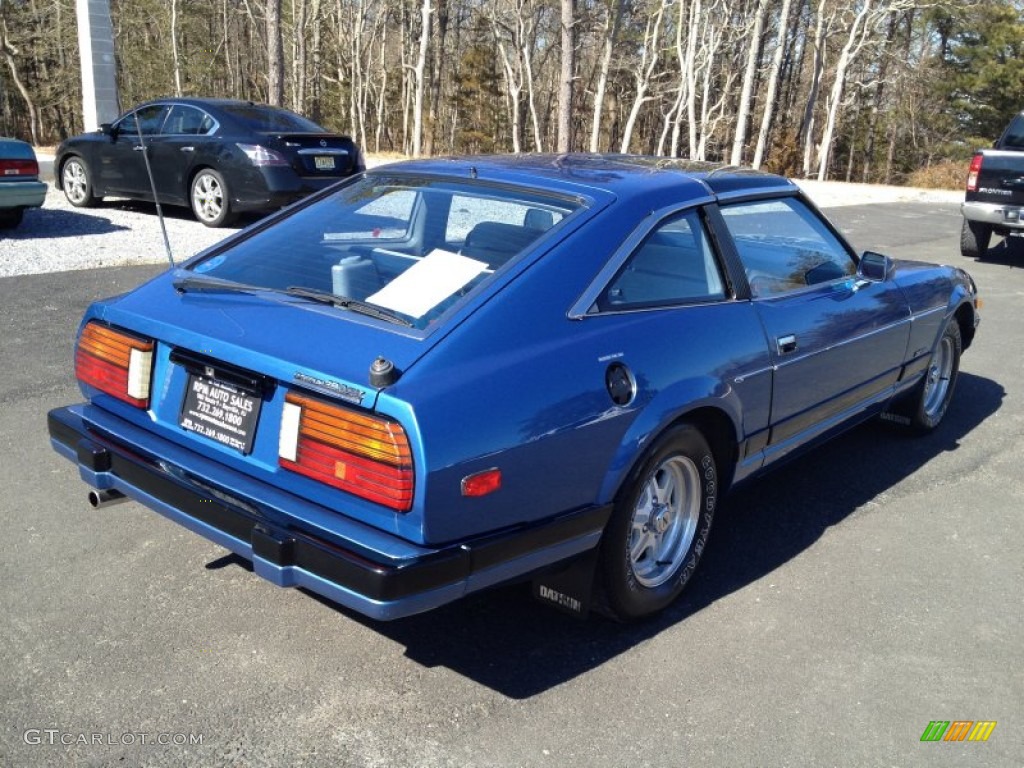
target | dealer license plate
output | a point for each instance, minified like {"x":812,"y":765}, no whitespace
{"x":324,"y":162}
{"x":220,"y":411}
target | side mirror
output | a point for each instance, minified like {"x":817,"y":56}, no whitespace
{"x":874,"y":266}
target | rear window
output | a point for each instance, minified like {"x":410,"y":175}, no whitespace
{"x":1014,"y":136}
{"x":411,"y":246}
{"x":271,"y":119}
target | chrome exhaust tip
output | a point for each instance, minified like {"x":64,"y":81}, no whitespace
{"x":100,"y":499}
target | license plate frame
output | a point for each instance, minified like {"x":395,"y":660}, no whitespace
{"x":220,"y":411}
{"x":324,"y":162}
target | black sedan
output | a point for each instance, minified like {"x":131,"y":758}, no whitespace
{"x":219,"y":157}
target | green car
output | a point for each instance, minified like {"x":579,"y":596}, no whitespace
{"x":20,"y":187}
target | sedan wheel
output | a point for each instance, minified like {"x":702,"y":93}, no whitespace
{"x":660,"y":525}
{"x":77,"y":186}
{"x":210,"y":201}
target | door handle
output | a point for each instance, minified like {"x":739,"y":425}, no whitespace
{"x":188,"y":149}
{"x":786,"y":344}
{"x":139,"y":148}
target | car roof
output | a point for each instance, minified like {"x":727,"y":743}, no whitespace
{"x":622,"y":175}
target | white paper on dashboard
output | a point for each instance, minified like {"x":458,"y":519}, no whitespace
{"x":427,"y":283}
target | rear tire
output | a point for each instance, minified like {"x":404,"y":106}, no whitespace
{"x":211,"y":201}
{"x":659,"y":526}
{"x":974,"y":239}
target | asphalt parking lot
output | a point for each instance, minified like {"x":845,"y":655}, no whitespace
{"x":844,"y":602}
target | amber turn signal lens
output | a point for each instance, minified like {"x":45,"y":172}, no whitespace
{"x":115,"y":362}
{"x":366,"y":455}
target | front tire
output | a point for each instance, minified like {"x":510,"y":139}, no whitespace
{"x":211,"y":202}
{"x":77,"y":184}
{"x":659,"y":526}
{"x":975,"y":239}
{"x":936,"y":391}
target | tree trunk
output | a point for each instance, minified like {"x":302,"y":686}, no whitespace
{"x":747,"y":91}
{"x":611,"y":32}
{"x":275,"y":58}
{"x":854,"y":42}
{"x":566,"y":75}
{"x":418,"y":71}
{"x":175,"y":53}
{"x":807,"y":126}
{"x":772,"y":91}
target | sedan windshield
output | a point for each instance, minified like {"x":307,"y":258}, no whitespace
{"x":414,"y":247}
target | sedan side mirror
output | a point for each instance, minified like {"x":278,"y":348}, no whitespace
{"x":874,"y":266}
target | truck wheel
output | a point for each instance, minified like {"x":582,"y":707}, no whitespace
{"x":974,"y":239}
{"x":660,"y":524}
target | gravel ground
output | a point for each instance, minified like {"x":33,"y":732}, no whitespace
{"x":59,"y":237}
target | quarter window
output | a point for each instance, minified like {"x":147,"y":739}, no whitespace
{"x":785,"y":247}
{"x":675,"y":264}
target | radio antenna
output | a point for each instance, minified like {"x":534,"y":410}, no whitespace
{"x":152,"y":186}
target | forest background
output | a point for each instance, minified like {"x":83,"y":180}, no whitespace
{"x":883,"y":91}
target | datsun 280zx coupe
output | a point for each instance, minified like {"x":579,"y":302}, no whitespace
{"x":444,"y":375}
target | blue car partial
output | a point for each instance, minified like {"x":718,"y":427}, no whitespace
{"x":442,"y":375}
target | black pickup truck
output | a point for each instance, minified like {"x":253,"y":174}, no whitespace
{"x":994,"y":201}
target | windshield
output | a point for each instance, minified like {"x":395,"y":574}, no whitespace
{"x":410,"y":245}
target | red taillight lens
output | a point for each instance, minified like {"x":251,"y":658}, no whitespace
{"x":115,"y":362}
{"x":972,"y":174}
{"x":364,"y":455}
{"x":261,"y":156}
{"x":19,"y":168}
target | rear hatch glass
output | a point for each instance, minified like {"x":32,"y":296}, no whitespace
{"x":404,"y":250}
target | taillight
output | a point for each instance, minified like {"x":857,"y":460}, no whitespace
{"x":365,"y":455}
{"x":19,"y":168}
{"x":115,"y":362}
{"x":261,"y":156}
{"x":972,"y":173}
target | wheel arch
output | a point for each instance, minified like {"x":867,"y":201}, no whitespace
{"x":712,"y":419}
{"x":964,"y":317}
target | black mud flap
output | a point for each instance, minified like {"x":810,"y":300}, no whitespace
{"x":901,"y":410}
{"x":569,"y":588}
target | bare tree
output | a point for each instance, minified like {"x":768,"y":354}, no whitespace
{"x":772,"y":90}
{"x":610,"y":32}
{"x":747,"y":91}
{"x":275,"y":56}
{"x":567,"y":74}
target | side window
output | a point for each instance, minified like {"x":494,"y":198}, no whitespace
{"x":183,"y":120}
{"x":673,"y":265}
{"x":148,"y":119}
{"x":784,"y":246}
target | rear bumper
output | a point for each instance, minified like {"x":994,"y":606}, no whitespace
{"x":1002,"y":215}
{"x":372,"y":572}
{"x":22,"y":194}
{"x":279,"y":187}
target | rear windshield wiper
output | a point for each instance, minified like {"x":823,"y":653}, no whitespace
{"x":365,"y":308}
{"x":201,"y":284}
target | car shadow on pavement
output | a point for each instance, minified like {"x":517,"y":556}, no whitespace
{"x":506,"y":641}
{"x":53,"y":222}
{"x":1008,"y":252}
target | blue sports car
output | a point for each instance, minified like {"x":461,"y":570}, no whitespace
{"x":442,"y":375}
